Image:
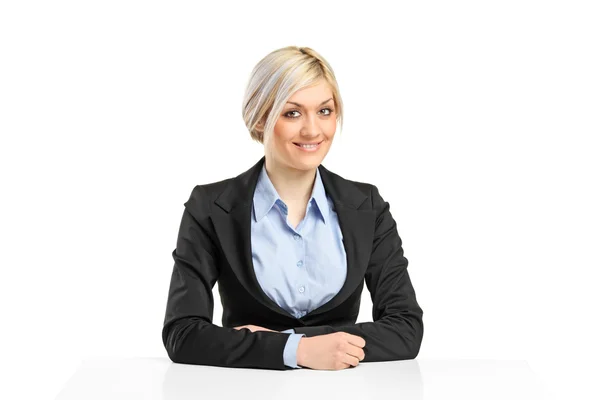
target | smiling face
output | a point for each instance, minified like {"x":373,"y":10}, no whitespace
{"x":308,"y":118}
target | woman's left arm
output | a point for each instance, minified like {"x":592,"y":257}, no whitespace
{"x":397,"y":330}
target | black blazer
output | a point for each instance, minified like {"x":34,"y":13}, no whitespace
{"x":213,"y":245}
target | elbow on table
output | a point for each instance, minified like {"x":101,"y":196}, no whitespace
{"x":410,"y":344}
{"x":416,"y":348}
{"x":416,"y":341}
{"x":169,"y":342}
{"x":175,"y":354}
{"x":407,"y":352}
{"x":172,"y":336}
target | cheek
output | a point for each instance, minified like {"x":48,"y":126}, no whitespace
{"x":332,"y":124}
{"x":280,"y":140}
{"x":283,"y":133}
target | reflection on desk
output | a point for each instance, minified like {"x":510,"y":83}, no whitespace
{"x":159,"y":378}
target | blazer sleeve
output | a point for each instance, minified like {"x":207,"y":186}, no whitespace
{"x":188,"y":334}
{"x":397,"y":328}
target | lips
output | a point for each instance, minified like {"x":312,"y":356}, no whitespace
{"x":307,"y":143}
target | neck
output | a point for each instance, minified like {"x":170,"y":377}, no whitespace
{"x":294,"y":186}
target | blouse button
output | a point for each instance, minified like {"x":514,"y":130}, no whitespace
{"x":301,"y":289}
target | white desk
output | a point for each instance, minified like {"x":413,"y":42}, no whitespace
{"x":159,"y":378}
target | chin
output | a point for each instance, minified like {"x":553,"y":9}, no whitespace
{"x":306,"y":165}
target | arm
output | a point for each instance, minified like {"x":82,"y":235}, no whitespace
{"x":188,"y":334}
{"x":397,"y":330}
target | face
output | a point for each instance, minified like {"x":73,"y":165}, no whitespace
{"x":308,"y":118}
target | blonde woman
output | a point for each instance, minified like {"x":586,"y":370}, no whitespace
{"x":290,"y":244}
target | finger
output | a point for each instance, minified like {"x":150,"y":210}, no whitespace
{"x":356,"y":340}
{"x":350,"y":360}
{"x":357,"y":352}
{"x":354,"y":351}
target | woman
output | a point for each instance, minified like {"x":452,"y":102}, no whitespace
{"x":290,"y":244}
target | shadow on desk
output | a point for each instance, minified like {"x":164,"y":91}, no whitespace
{"x":402,"y":379}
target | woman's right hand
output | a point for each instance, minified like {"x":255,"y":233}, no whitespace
{"x":333,"y":351}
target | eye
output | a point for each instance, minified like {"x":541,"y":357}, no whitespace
{"x":289,"y":112}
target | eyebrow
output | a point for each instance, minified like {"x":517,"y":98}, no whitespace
{"x":301,"y":106}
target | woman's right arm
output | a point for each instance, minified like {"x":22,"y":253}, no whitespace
{"x":188,"y":334}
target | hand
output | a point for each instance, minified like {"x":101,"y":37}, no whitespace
{"x":254,"y":328}
{"x":333,"y":351}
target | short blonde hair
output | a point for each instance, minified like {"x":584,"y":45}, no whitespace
{"x":275,"y":79}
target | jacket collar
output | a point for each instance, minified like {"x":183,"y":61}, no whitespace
{"x":232,"y":222}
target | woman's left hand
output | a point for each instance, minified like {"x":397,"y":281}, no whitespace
{"x":254,"y":328}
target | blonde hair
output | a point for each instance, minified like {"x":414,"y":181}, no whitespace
{"x":275,"y":79}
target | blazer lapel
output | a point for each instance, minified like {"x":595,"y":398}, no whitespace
{"x":232,"y":221}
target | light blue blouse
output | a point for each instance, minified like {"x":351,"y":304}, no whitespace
{"x":299,"y":268}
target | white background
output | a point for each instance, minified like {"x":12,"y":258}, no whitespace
{"x":478,"y":121}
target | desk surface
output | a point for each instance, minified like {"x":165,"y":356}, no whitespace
{"x":159,"y":378}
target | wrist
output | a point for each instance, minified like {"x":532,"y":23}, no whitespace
{"x":301,"y":352}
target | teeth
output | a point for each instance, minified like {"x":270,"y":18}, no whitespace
{"x":308,"y":146}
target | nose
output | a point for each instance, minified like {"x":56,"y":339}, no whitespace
{"x":311,"y":127}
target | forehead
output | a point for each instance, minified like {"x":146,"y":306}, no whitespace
{"x":313,"y":95}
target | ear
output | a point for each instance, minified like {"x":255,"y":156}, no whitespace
{"x":260,"y":126}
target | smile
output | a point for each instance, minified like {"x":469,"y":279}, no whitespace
{"x":308,"y":147}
